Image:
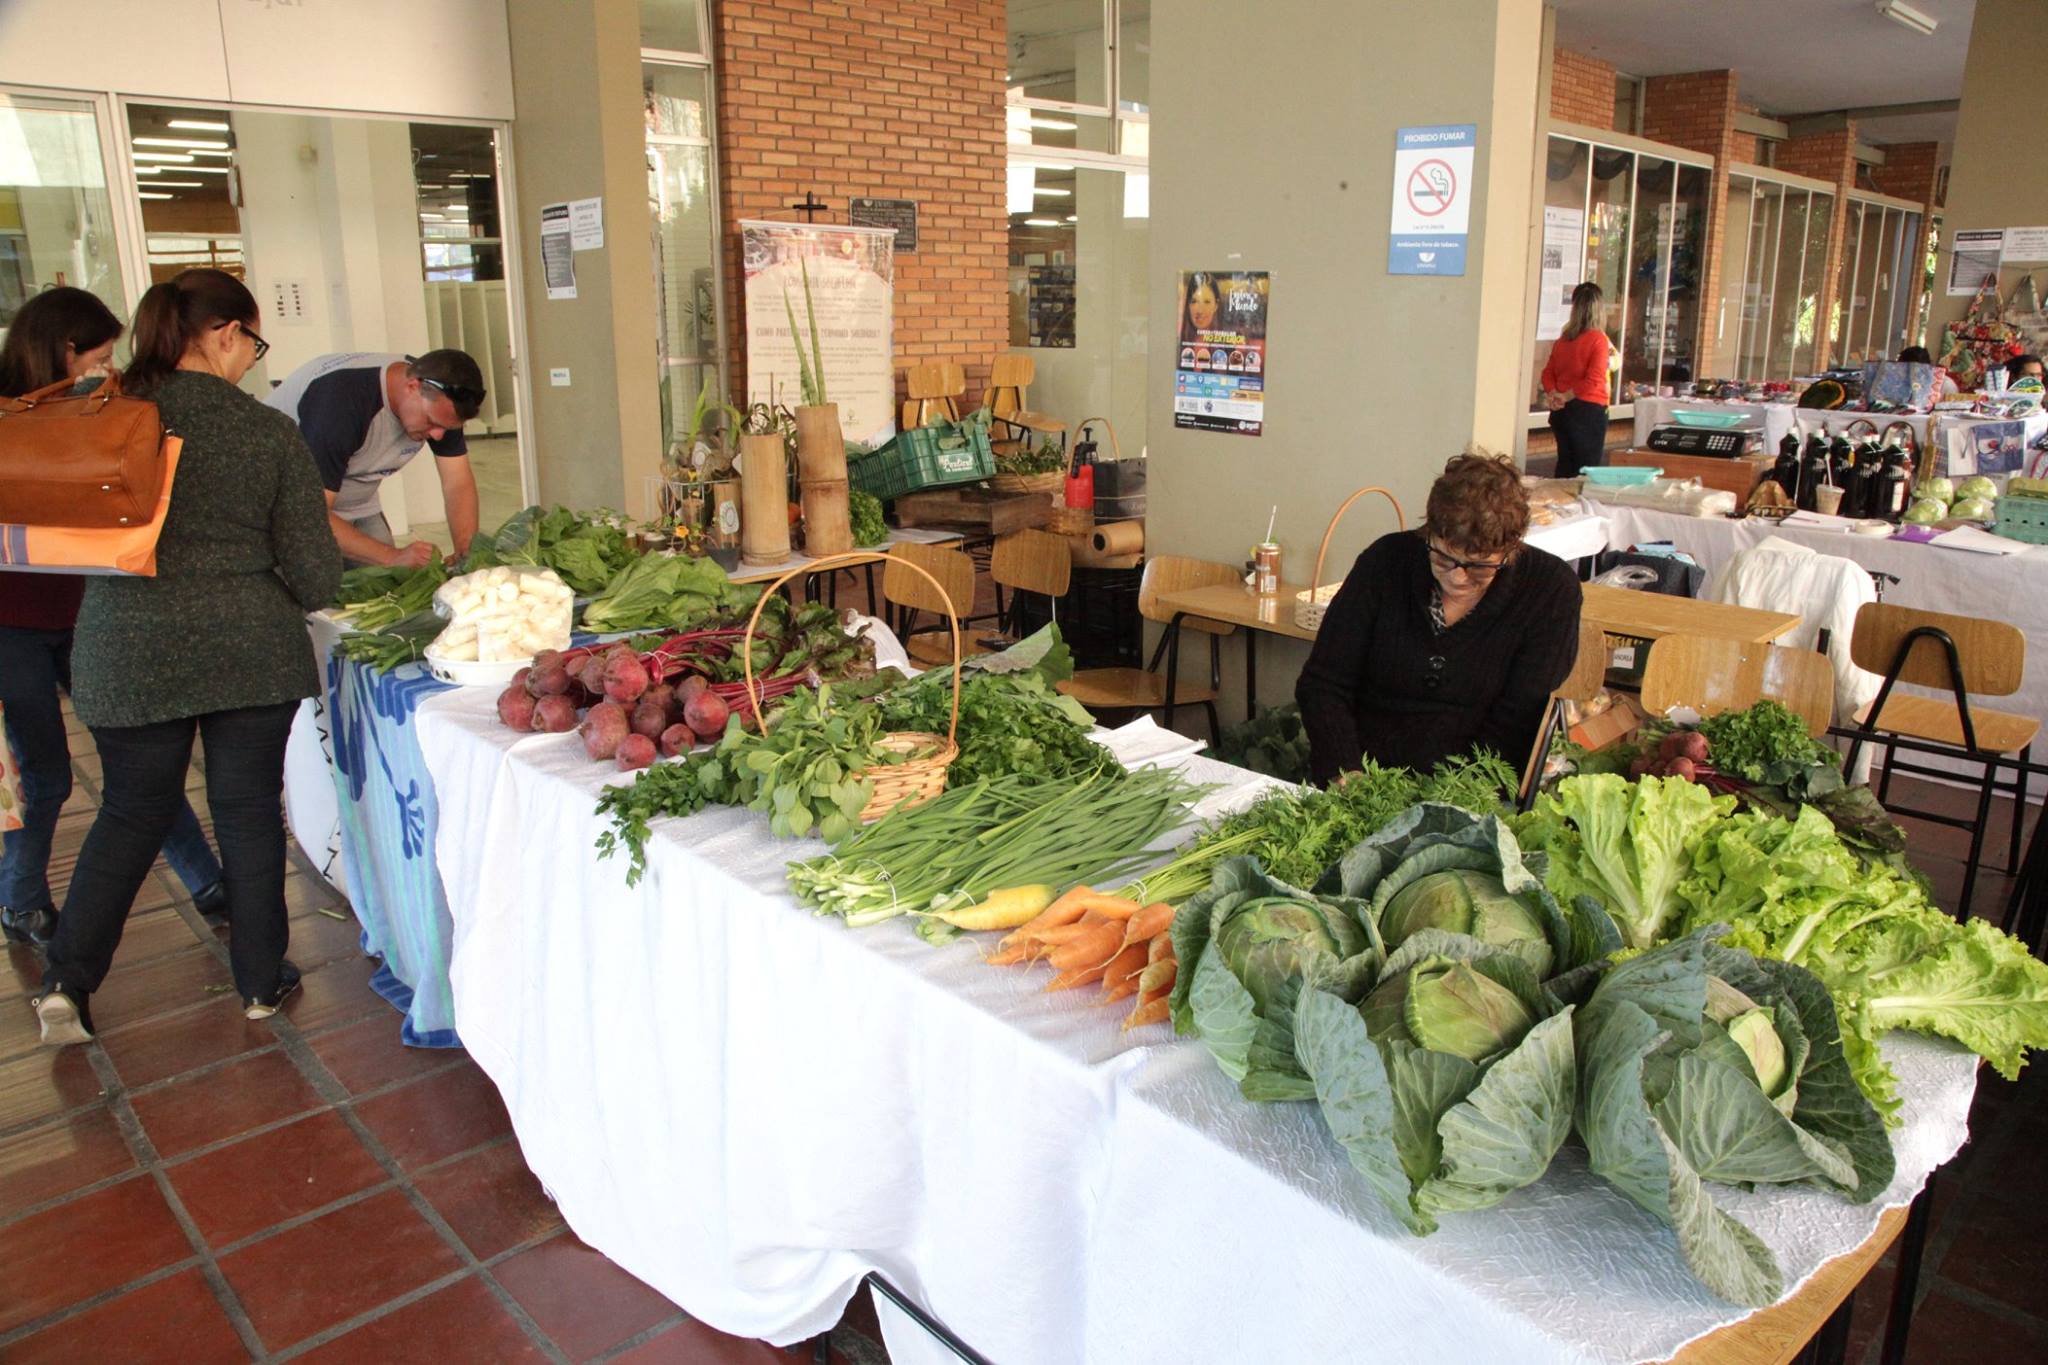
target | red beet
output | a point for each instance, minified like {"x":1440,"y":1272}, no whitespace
{"x":688,"y":686}
{"x":515,"y":707}
{"x":549,"y":680}
{"x":705,"y":713}
{"x":1643,"y":766}
{"x":677,"y":739}
{"x":519,"y":678}
{"x":635,"y":751}
{"x":547,"y":657}
{"x":591,"y":675}
{"x":662,"y":695}
{"x":554,"y":715}
{"x":650,"y":717}
{"x":1681,"y":766}
{"x":1693,"y":747}
{"x":625,"y":679}
{"x":604,"y":725}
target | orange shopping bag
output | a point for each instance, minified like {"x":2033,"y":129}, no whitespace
{"x":114,"y":549}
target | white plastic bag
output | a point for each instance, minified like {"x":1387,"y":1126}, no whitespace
{"x":502,"y":614}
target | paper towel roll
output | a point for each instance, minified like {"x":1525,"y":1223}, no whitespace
{"x":1120,"y":538}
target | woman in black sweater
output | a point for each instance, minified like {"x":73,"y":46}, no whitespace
{"x":1443,"y":639}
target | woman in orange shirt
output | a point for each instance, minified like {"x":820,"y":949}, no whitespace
{"x":1575,"y":384}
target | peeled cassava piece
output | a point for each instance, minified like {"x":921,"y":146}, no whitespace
{"x":516,"y":707}
{"x":635,"y":751}
{"x":1464,"y":901}
{"x":604,"y":725}
{"x":554,"y":715}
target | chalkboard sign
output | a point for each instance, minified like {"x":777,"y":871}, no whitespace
{"x":900,"y":214}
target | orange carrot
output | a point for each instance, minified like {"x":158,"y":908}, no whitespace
{"x":1162,"y":949}
{"x":1093,"y":951}
{"x":1067,"y":933}
{"x":1148,"y":923}
{"x":1109,"y":907}
{"x":1065,"y":910}
{"x":1157,"y":979}
{"x":1079,"y":976}
{"x":1009,"y":957}
{"x":1123,"y":991}
{"x":1125,"y":966}
{"x":1150,"y":1012}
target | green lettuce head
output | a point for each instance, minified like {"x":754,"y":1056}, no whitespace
{"x":1247,"y":947}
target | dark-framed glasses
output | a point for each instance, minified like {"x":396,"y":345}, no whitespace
{"x":1476,"y":568}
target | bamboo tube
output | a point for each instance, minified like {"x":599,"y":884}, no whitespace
{"x":828,"y":521}
{"x":764,"y":500}
{"x":820,"y":445}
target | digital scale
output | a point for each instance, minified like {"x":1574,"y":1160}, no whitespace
{"x":1719,"y":443}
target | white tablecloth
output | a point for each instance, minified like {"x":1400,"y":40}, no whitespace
{"x":1569,"y":540}
{"x":749,"y":1107}
{"x":2011,"y":588}
{"x":1776,"y":418}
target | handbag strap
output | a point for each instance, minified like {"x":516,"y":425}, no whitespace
{"x":109,"y":389}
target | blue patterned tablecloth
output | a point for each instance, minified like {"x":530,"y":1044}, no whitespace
{"x":388,"y":821}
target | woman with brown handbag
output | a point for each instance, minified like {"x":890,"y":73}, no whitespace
{"x":214,"y":645}
{"x":60,"y":334}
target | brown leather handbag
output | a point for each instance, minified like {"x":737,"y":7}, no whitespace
{"x":86,"y":461}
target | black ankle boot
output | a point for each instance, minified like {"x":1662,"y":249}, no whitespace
{"x":211,"y":901}
{"x":29,"y":926}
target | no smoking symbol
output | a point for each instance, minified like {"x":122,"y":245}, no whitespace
{"x":1431,"y":187}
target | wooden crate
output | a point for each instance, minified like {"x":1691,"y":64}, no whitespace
{"x":1735,"y":474}
{"x":974,"y":509}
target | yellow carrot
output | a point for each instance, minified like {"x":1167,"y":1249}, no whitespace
{"x":1010,"y":908}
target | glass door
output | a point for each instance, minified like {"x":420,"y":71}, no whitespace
{"x":56,"y":211}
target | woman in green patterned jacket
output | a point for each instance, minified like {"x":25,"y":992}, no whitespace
{"x":214,"y":645}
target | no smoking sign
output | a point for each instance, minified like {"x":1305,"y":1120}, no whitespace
{"x":1432,"y":188}
{"x":1431,"y":199}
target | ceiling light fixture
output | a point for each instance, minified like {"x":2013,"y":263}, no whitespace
{"x":188,"y":143}
{"x":202,"y":151}
{"x":161,"y":156}
{"x":1043,"y":222}
{"x":202,"y":170}
{"x":1049,"y":192}
{"x":199,"y":125}
{"x":145,"y":194}
{"x":1056,"y":125}
{"x":177,"y":184}
{"x":1901,"y":13}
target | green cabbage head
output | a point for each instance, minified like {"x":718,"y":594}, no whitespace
{"x":1449,"y":1006}
{"x":1470,"y":902}
{"x":1268,"y":941}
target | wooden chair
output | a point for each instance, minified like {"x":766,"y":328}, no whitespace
{"x":935,"y":389}
{"x":1142,"y":690}
{"x":1962,"y":656}
{"x":910,"y":593}
{"x":1008,"y":379}
{"x":1712,"y":675}
{"x":1582,"y":684}
{"x":1030,"y":561}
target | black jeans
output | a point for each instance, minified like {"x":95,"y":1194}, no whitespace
{"x":1581,"y":429}
{"x":142,"y":788}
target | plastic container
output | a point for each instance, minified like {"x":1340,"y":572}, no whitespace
{"x":1622,"y":475}
{"x":1718,"y":421}
{"x":2023,"y":518}
{"x":925,"y":457}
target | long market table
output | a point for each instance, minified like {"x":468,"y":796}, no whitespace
{"x":751,"y":1107}
{"x":359,"y":800}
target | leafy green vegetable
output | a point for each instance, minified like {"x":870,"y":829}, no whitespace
{"x":667,"y":592}
{"x":1044,"y":458}
{"x":1273,"y":742}
{"x":1892,"y":958}
{"x":378,"y":597}
{"x":1626,"y":844}
{"x":1668,"y":1099}
{"x":586,"y":550}
{"x":1766,"y":742}
{"x":868,"y":526}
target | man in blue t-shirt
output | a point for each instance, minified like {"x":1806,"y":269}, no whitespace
{"x":365,"y":416}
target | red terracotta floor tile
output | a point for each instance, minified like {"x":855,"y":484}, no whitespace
{"x":120,"y":1233}
{"x":19,"y":1031}
{"x":1945,"y":1330}
{"x":176,"y":1321}
{"x":226,"y":1103}
{"x":335,"y":994}
{"x":368,"y":1053}
{"x":465,"y":1321}
{"x":337,"y":1266}
{"x":318,"y":940}
{"x":448,"y":1112}
{"x":45,"y":1083}
{"x":258,"y":1182}
{"x":691,"y":1342}
{"x":579,"y":1298}
{"x":151,"y":935}
{"x":172,"y":1044}
{"x":1999,"y":1254}
{"x":143,"y":990}
{"x":68,"y":1154}
{"x":491,"y":1200}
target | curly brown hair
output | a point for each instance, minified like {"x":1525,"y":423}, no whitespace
{"x":1478,"y":506}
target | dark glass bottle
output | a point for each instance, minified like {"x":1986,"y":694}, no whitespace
{"x":1893,"y":486}
{"x":1860,"y":494}
{"x":1813,"y":471}
{"x":1786,"y":470}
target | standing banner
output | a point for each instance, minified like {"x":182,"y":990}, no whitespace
{"x":1432,"y":198}
{"x":852,"y":287}
{"x":1219,"y":377}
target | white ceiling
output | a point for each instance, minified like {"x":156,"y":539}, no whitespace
{"x":1793,"y":56}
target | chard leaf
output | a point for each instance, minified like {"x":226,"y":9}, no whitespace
{"x":1504,"y":1134}
{"x":1355,"y":1096}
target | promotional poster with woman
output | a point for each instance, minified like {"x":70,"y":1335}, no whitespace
{"x":1220,"y":368}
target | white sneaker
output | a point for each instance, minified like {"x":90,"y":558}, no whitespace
{"x":63,"y":1022}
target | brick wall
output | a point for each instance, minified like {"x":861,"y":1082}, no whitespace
{"x":897,"y":101}
{"x":1581,"y":89}
{"x":1696,"y":110}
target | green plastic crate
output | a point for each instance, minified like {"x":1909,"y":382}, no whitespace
{"x":925,"y":457}
{"x":2023,"y":518}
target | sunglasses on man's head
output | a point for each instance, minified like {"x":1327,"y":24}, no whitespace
{"x":461,"y":394}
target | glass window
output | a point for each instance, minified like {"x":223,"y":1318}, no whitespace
{"x":1061,"y":129}
{"x":184,"y":160}
{"x":1732,"y":309}
{"x":1649,"y":273}
{"x":1685,"y":314}
{"x":56,"y":216}
{"x":1565,"y":176}
{"x":1134,"y":55}
{"x":685,"y":221}
{"x":1845,"y":333}
{"x":1820,"y":214}
{"x":1766,"y":209}
{"x":455,"y":170}
{"x":670,"y":26}
{"x":1059,"y":51}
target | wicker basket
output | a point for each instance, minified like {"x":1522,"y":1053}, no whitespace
{"x":1052,"y":481}
{"x":915,"y":780}
{"x":1071,"y":521}
{"x":1311,"y":603}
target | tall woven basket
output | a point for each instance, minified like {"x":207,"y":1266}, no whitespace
{"x":914,"y":781}
{"x":1311,"y":603}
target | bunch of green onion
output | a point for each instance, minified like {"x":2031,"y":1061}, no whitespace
{"x":992,"y":834}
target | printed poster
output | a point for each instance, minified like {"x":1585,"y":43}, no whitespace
{"x":1432,"y":199}
{"x":1975,"y":258}
{"x":1219,"y":373}
{"x":2029,"y":244}
{"x":557,"y":261}
{"x":852,"y":286}
{"x":1564,"y":236}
